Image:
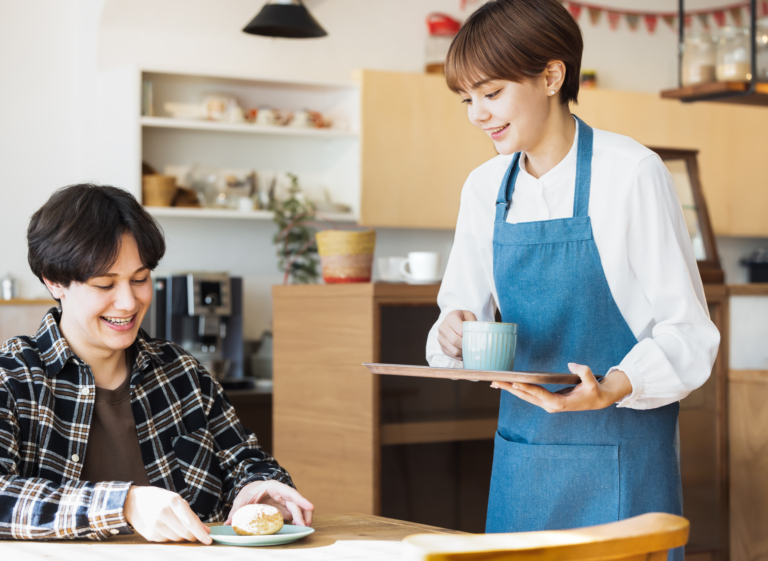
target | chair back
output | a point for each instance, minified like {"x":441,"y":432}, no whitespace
{"x":648,"y":537}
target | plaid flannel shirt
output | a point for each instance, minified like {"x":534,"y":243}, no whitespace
{"x":190,"y":438}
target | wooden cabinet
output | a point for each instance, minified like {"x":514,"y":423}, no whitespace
{"x":420,"y":449}
{"x":22,"y":317}
{"x":418,"y":147}
{"x":353,"y":442}
{"x":730,"y":140}
{"x":749,"y":464}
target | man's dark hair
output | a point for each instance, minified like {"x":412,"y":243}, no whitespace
{"x":77,"y":233}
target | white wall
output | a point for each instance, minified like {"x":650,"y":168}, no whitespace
{"x":52,"y":50}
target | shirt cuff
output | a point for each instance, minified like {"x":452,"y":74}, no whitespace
{"x":105,"y":512}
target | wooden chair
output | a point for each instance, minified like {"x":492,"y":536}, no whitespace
{"x":643,"y":538}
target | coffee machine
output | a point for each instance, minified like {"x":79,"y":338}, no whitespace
{"x":203,"y":313}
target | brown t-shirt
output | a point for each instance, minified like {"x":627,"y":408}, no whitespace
{"x":112,"y":452}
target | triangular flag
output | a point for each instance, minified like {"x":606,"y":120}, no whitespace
{"x":669,"y":20}
{"x":633,"y":20}
{"x":719,"y":16}
{"x":650,"y":22}
{"x":688,"y":21}
{"x":736,"y":15}
{"x":594,"y":15}
{"x":575,"y":10}
{"x":764,"y":9}
{"x":613,"y":20}
{"x":704,"y":19}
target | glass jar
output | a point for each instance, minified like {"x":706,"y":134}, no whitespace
{"x":698,"y":59}
{"x":762,"y":49}
{"x":733,"y":55}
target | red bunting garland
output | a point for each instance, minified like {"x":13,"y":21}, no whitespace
{"x":720,"y":15}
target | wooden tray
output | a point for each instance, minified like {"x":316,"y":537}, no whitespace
{"x":483,"y":375}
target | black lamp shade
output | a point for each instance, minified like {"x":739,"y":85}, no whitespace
{"x":285,"y":20}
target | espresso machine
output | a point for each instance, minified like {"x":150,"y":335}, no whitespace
{"x":203,"y":313}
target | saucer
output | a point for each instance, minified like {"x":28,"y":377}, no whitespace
{"x":424,"y":281}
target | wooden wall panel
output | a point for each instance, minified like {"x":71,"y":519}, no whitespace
{"x":749,"y":464}
{"x":730,"y":140}
{"x":418,"y":148}
{"x":325,"y":402}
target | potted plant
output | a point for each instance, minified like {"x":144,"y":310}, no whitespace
{"x":295,"y":238}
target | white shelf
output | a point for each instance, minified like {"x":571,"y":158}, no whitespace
{"x":247,"y":128}
{"x":184,"y":212}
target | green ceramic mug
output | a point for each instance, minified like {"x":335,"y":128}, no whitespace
{"x":489,"y":345}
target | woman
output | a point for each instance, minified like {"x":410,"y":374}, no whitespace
{"x":576,"y":235}
{"x":102,"y":427}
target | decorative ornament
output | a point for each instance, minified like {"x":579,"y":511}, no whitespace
{"x":575,"y":10}
{"x":736,"y":15}
{"x":704,"y":19}
{"x":650,"y":22}
{"x":633,"y":21}
{"x":594,"y":15}
{"x":613,"y":20}
{"x":669,"y":20}
{"x":719,"y":16}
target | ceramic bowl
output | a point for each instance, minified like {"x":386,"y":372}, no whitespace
{"x":489,"y":345}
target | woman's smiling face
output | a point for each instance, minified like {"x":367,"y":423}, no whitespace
{"x":512,"y":114}
{"x":103,"y":314}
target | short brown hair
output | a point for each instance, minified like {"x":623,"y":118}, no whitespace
{"x":515,"y":40}
{"x":77,"y":233}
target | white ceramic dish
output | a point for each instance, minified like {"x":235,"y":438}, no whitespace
{"x":225,"y":535}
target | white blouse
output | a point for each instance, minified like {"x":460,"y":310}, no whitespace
{"x":644,"y":248}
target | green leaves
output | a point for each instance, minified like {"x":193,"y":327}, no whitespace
{"x":295,"y":238}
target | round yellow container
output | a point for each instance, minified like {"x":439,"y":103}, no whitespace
{"x":346,"y":256}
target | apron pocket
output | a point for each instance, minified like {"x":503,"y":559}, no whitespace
{"x":552,"y":487}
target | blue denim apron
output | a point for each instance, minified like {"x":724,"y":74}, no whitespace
{"x":567,"y":470}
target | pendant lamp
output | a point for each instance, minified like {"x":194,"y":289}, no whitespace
{"x":285,"y":18}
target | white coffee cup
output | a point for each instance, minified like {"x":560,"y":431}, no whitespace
{"x":389,"y":268}
{"x":423,"y":265}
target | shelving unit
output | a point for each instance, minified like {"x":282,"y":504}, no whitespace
{"x":323,"y":159}
{"x":215,"y":213}
{"x":750,"y":92}
{"x":246,"y":128}
{"x":720,"y":92}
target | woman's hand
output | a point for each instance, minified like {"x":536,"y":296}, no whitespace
{"x":286,"y":499}
{"x":451,"y":331}
{"x":588,"y":395}
{"x":161,"y":516}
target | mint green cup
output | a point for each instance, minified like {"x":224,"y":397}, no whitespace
{"x":489,"y":345}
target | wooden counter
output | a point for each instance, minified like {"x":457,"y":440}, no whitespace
{"x":22,"y":317}
{"x":340,"y":536}
{"x":749,"y":289}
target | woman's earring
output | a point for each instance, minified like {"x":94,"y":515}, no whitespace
{"x":552,"y":92}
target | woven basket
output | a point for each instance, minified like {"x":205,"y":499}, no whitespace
{"x":346,"y":256}
{"x":158,"y":190}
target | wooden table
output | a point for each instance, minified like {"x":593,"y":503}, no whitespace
{"x":336,"y":537}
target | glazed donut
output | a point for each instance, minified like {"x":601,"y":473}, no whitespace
{"x":257,"y":520}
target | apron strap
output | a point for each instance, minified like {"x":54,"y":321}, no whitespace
{"x":583,"y":176}
{"x":583,"y":169}
{"x":504,"y":198}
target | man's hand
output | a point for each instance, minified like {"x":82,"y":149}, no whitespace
{"x":161,"y":516}
{"x":286,"y":499}
{"x":588,"y":395}
{"x":451,"y":331}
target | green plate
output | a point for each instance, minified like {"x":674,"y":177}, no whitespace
{"x":287,"y":534}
